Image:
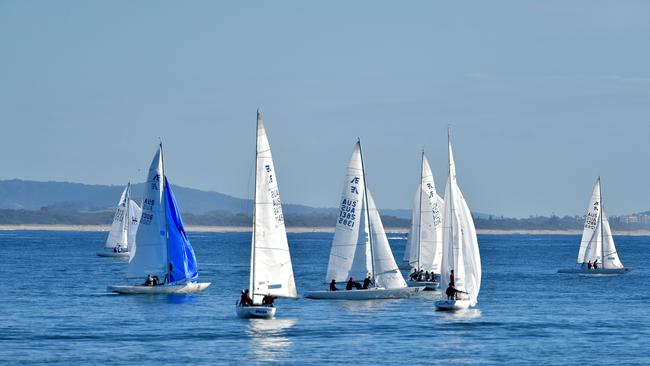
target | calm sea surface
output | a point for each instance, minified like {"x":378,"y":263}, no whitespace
{"x":55,"y":309}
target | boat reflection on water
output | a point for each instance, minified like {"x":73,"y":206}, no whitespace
{"x":460,"y":315}
{"x":363,"y":306}
{"x":269,"y":341}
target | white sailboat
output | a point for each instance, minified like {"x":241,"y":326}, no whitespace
{"x":597,"y":244}
{"x":360,"y":247}
{"x":271,"y":272}
{"x":460,"y":252}
{"x":121,"y":238}
{"x":163,"y":250}
{"x":424,"y":248}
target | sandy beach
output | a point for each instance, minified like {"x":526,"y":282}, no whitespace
{"x":242,"y":229}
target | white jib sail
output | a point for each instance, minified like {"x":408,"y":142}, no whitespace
{"x":118,"y":234}
{"x":350,"y":252}
{"x":271,"y":270}
{"x":424,"y":249}
{"x":387,"y":273}
{"x":134,"y":213}
{"x":460,"y":244}
{"x":598,"y":243}
{"x":150,"y":256}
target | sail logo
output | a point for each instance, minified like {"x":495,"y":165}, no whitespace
{"x":347,"y":214}
{"x":354,"y":189}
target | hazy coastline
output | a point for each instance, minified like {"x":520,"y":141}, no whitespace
{"x":242,"y":229}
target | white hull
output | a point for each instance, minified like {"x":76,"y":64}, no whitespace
{"x":451,"y":305}
{"x":114,"y":254}
{"x":248,"y":312}
{"x":186,"y":288}
{"x":599,"y":271}
{"x":370,"y":294}
{"x":428,"y":286}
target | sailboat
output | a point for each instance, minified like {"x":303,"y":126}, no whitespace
{"x":424,"y":247}
{"x":271,"y":272}
{"x":460,"y":252}
{"x":597,"y":244}
{"x":121,"y":238}
{"x":163,"y":250}
{"x":360,"y":247}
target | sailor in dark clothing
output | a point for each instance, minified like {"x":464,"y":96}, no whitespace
{"x":245,"y":299}
{"x":333,"y":286}
{"x":367,"y":282}
{"x":589,"y":265}
{"x":451,"y":292}
{"x":267,"y":300}
{"x":596,"y":263}
{"x":414,"y":275}
{"x":149,"y":281}
{"x":350,"y":284}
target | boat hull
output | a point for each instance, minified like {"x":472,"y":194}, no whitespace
{"x":599,"y":271}
{"x":370,"y":294}
{"x":186,"y":288}
{"x":251,"y":312}
{"x":428,"y":286}
{"x":114,"y":254}
{"x":452,"y":305}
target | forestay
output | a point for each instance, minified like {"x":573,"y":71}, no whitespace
{"x":424,"y":248}
{"x":150,"y":256}
{"x":271,"y":270}
{"x":460,"y":244}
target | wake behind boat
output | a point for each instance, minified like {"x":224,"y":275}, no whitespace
{"x":271,"y":273}
{"x":163,"y":254}
{"x":360,"y":247}
{"x":461,"y":259}
{"x":121,"y":238}
{"x":597,"y":254}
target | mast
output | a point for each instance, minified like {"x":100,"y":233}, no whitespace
{"x":365,"y":200}
{"x":451,"y":199}
{"x":127,"y":213}
{"x":420,"y":211}
{"x":164,"y":208}
{"x":602,"y":231}
{"x":251,"y":284}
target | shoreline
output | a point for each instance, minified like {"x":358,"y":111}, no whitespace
{"x":294,"y":230}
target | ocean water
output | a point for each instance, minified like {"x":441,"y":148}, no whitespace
{"x":55,"y":309}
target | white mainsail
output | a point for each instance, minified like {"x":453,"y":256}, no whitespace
{"x":597,"y":240}
{"x":134,"y":221}
{"x":360,"y":246}
{"x":271,"y":271}
{"x":150,"y":256}
{"x":424,"y":248}
{"x":460,"y":250}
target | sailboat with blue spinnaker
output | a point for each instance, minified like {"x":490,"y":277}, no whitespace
{"x":163,"y":252}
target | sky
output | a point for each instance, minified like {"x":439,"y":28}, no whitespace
{"x":541,"y":97}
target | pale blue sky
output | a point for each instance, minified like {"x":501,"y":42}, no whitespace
{"x":542,"y":96}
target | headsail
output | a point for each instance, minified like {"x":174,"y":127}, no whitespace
{"x":424,"y":248}
{"x":150,"y":256}
{"x":182,"y":261}
{"x":118,"y":236}
{"x":460,"y":244}
{"x":387,"y":273}
{"x":134,"y":221}
{"x":271,"y":270}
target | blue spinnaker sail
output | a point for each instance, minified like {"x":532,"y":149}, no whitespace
{"x":181,"y":255}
